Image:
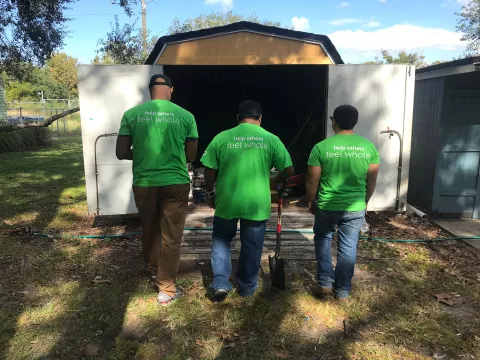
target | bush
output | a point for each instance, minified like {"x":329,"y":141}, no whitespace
{"x":25,"y":139}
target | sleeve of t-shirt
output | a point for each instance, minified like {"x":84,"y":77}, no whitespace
{"x":210,"y":156}
{"x":281,"y":157}
{"x":192,"y":132}
{"x":314,"y":159}
{"x":375,"y":156}
{"x":125,"y":127}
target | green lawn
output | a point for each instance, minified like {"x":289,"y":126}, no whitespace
{"x":51,"y":309}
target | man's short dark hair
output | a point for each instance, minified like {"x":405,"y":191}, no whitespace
{"x":166,"y":81}
{"x":346,"y":117}
{"x":249,"y":109}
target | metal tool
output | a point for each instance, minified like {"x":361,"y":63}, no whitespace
{"x":277,"y":264}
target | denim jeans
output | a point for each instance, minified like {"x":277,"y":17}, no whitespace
{"x":349,"y":224}
{"x":252,"y":235}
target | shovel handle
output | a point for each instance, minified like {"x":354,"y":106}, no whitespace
{"x":279,"y":223}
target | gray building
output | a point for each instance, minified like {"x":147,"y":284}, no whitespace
{"x":445,"y":155}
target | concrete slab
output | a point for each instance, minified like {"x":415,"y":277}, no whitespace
{"x":462,"y":227}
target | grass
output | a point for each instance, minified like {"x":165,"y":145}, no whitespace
{"x":51,"y":309}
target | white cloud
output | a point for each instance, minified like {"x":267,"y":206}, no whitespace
{"x":226,"y":4}
{"x":382,"y":1}
{"x":340,"y":22}
{"x":463,"y":2}
{"x":343,"y":5}
{"x":372,"y":24}
{"x":397,"y":37}
{"x":300,"y":24}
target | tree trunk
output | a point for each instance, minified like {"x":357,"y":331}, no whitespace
{"x":45,"y":123}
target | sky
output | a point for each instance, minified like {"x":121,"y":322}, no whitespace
{"x":358,"y":28}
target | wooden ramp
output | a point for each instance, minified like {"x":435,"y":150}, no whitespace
{"x":197,"y":243}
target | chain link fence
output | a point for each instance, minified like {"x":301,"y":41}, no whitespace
{"x":24,"y":112}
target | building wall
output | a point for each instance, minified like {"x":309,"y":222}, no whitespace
{"x":457,"y":179}
{"x":427,"y":115}
{"x":243,"y":48}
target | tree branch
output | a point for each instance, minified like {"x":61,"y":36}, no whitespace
{"x":47,"y":122}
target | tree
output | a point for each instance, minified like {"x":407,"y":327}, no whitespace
{"x":469,"y":26}
{"x":62,"y":69}
{"x":215,"y":19}
{"x":123,"y":45}
{"x":31,"y":30}
{"x":414,"y":58}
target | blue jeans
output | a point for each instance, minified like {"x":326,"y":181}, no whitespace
{"x":349,"y":225}
{"x":252,"y":235}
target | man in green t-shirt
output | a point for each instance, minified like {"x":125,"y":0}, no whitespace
{"x":342,"y":176}
{"x":164,"y":138}
{"x":238,"y":161}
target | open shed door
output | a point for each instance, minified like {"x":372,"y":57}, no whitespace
{"x":383,"y":95}
{"x":106,"y":92}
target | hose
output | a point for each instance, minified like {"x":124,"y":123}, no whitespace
{"x":267,"y":231}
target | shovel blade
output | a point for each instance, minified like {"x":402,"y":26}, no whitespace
{"x":277,"y":272}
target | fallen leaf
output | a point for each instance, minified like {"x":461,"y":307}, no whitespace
{"x":439,"y":357}
{"x":90,"y":350}
{"x":198,"y":342}
{"x":389,"y":269}
{"x":282,"y":354}
{"x":445,"y":298}
{"x":100,"y":280}
{"x":236,"y":335}
{"x":229,"y":345}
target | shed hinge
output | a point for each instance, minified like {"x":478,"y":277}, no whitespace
{"x":409,"y":71}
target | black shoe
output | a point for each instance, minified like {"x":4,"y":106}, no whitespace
{"x":220,"y":294}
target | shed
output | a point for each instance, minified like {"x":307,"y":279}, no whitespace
{"x":299,"y":78}
{"x":445,"y":158}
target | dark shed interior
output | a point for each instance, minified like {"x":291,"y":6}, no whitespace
{"x":293,"y":98}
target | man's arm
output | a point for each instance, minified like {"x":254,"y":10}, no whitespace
{"x":372,"y":176}
{"x":210,"y":179}
{"x":284,"y":174}
{"x":191,"y":146}
{"x":312,"y":182}
{"x":123,"y":149}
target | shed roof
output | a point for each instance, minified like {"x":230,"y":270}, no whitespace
{"x":449,"y":64}
{"x":246,"y":26}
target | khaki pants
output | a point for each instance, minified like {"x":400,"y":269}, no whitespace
{"x":162,"y":210}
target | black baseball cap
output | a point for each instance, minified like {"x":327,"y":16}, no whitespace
{"x":249,"y":109}
{"x":154,"y":78}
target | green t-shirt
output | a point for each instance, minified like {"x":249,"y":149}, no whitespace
{"x":244,"y":157}
{"x":344,"y":160}
{"x":159,"y":130}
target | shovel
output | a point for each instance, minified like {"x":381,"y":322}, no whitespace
{"x":277,"y":265}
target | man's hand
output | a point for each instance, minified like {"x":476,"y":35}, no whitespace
{"x":211,"y":201}
{"x":276,"y":184}
{"x":313,"y":207}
